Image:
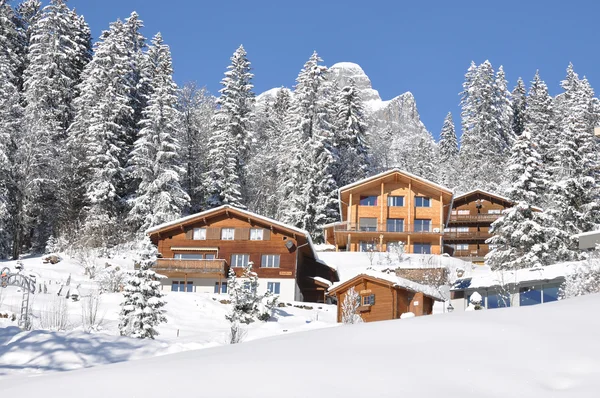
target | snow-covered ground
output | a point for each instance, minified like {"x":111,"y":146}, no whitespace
{"x":194,"y":321}
{"x":550,"y":350}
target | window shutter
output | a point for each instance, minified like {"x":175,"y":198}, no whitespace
{"x":189,"y":234}
{"x":213,"y":233}
{"x":266,"y":234}
{"x":242,"y":234}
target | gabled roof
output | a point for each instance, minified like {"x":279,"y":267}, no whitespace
{"x":486,"y":193}
{"x":390,"y":172}
{"x":390,"y":280}
{"x":221,"y":209}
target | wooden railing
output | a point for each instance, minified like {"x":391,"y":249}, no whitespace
{"x":467,"y":235}
{"x":382,"y":227}
{"x":199,"y":266}
{"x":470,"y":253}
{"x":483,"y":218}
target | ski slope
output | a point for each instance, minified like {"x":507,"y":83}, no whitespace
{"x":550,"y":350}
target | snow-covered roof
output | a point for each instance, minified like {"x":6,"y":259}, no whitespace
{"x":589,"y":233}
{"x":397,"y":281}
{"x":483,"y":277}
{"x":391,"y":171}
{"x":321,"y":280}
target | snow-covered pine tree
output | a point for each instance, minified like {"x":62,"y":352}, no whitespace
{"x":246,"y":303}
{"x":448,"y":153}
{"x":155,"y":159}
{"x":59,"y":47}
{"x":196,"y":107}
{"x":486,"y":128}
{"x":103,"y":119}
{"x":519,"y":107}
{"x":229,"y":152}
{"x":520,"y":238}
{"x":573,"y":203}
{"x":351,"y":137}
{"x":142,"y":307}
{"x":539,"y":119}
{"x":503,"y":110}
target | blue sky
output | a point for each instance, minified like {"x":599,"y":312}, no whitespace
{"x":420,"y":46}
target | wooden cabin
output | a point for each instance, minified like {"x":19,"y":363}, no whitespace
{"x":469,"y":225}
{"x":196,"y":252}
{"x":386,"y":297}
{"x":379,"y":212}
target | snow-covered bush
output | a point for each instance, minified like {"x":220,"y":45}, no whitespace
{"x":350,"y":306}
{"x":111,"y":279}
{"x":237,"y":334}
{"x":585,"y":279}
{"x":89,"y":312}
{"x":141,"y":309}
{"x":475,"y":302}
{"x":89,"y":260}
{"x":55,"y":315}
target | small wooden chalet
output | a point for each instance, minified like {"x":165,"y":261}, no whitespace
{"x":384,"y":296}
{"x":196,"y":252}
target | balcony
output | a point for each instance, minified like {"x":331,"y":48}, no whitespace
{"x":474,"y":218}
{"x":467,"y":235}
{"x":200,"y":267}
{"x":473,"y":255}
{"x":400,"y":229}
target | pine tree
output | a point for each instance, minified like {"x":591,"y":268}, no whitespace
{"x":520,"y":240}
{"x":539,"y":118}
{"x":155,"y":160}
{"x":352,"y":137}
{"x":504,"y":113}
{"x":448,"y":141}
{"x":232,"y":131}
{"x":141,"y":309}
{"x":519,"y":107}
{"x":246,"y":303}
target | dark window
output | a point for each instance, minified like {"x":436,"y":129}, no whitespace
{"x":530,"y":295}
{"x":240,"y":260}
{"x":367,"y":246}
{"x":368,"y":200}
{"x":498,"y":300}
{"x":216,"y":287}
{"x":422,"y":201}
{"x":395,"y":225}
{"x":190,"y":287}
{"x":174,"y":286}
{"x":551,"y":293}
{"x":222,"y":288}
{"x":422,"y":248}
{"x":395,"y":201}
{"x":422,"y":225}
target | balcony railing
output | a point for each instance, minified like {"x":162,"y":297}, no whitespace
{"x":483,"y":218}
{"x":467,"y":235}
{"x":197,"y":266}
{"x":413,"y":229}
{"x":471,"y":253}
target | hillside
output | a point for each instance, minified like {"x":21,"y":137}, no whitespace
{"x":515,"y":352}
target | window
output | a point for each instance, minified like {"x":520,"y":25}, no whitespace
{"x":199,"y":234}
{"x":240,"y":260}
{"x":273,"y":287}
{"x":550,"y":293}
{"x":422,"y":248}
{"x":498,"y":300}
{"x":395,"y":225}
{"x":461,"y":246}
{"x":189,"y":256}
{"x":530,"y":295}
{"x":368,"y":200}
{"x":227,"y":233}
{"x":269,"y":261}
{"x":393,"y":246}
{"x":256,"y":234}
{"x":247,"y":286}
{"x":422,"y":225}
{"x":367,"y":224}
{"x":395,"y":201}
{"x":422,"y":201}
{"x":364,"y":246}
{"x":220,"y":288}
{"x":180,"y":286}
{"x":368,"y":300}
{"x":210,"y":256}
{"x":494,"y":211}
{"x":464,"y":212}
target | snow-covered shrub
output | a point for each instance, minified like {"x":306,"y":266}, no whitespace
{"x":350,"y":306}
{"x":89,"y":260}
{"x":141,"y":309}
{"x":55,"y":315}
{"x":247,"y":305}
{"x":475,"y":302}
{"x":585,"y":279}
{"x":237,"y":334}
{"x":111,"y":279}
{"x":89,"y":312}
{"x":407,"y":315}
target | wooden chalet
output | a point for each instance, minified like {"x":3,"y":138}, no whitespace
{"x":384,"y":297}
{"x":395,"y":206}
{"x":196,"y":252}
{"x":469,"y":225}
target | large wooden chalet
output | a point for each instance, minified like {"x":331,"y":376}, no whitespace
{"x":196,"y":252}
{"x":395,"y":206}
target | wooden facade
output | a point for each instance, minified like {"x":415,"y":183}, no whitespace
{"x":469,"y":225}
{"x":390,"y":300}
{"x":205,"y":245}
{"x":391,"y":207}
